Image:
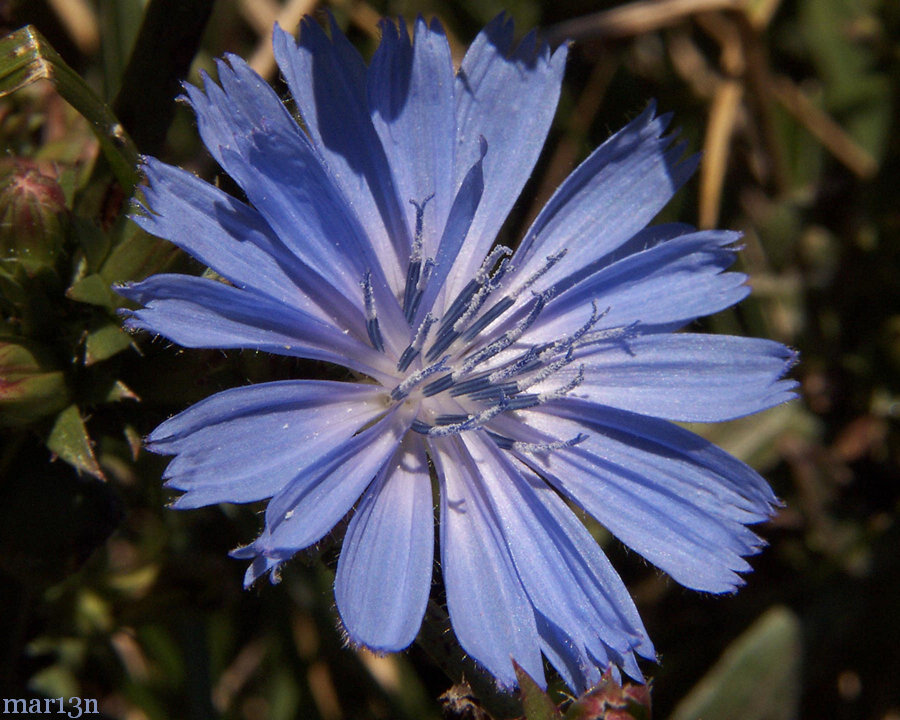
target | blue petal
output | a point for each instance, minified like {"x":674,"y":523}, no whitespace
{"x":453,"y":240}
{"x":491,"y":614}
{"x":568,"y":579}
{"x":226,"y":116}
{"x":285,"y":180}
{"x":568,"y":661}
{"x":384,"y":575}
{"x":410,"y":93}
{"x":668,"y":494}
{"x":507,"y":97}
{"x":683,"y":376}
{"x":607,"y":199}
{"x":232,"y":239}
{"x":247,"y":443}
{"x":665,"y":286}
{"x":304,"y":511}
{"x":200,"y":313}
{"x":327,"y":79}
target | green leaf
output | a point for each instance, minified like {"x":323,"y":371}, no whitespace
{"x":104,"y":342}
{"x":137,"y":256}
{"x":757,"y":677}
{"x":536,"y":704}
{"x":94,"y":243}
{"x":94,"y":290}
{"x":30,"y":387}
{"x":26,"y":56}
{"x":120,"y":391}
{"x":70,"y":441}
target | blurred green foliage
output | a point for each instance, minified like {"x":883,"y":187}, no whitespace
{"x":106,"y":594}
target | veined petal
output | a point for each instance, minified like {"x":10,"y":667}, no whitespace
{"x":684,"y":376}
{"x":410,"y":94}
{"x":231,"y":238}
{"x":327,"y":79}
{"x":668,"y":494}
{"x":567,"y":577}
{"x":247,"y":443}
{"x":489,"y":609}
{"x":607,"y":199}
{"x":665,"y":286}
{"x":384,"y":574}
{"x":201,"y":313}
{"x":507,"y":97}
{"x":226,"y":114}
{"x":577,"y":671}
{"x":450,"y":249}
{"x":308,"y":508}
{"x":285,"y":180}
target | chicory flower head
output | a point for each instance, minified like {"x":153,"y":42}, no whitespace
{"x":522,"y":380}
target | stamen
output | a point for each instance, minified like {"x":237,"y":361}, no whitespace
{"x":535,"y":448}
{"x":458,"y":306}
{"x":472,"y":422}
{"x":415,"y":347}
{"x":501,"y":251}
{"x":439,"y":385}
{"x":494,"y":392}
{"x":526,"y":362}
{"x":420,"y":427}
{"x":372,"y":327}
{"x":508,"y":338}
{"x":404,"y":388}
{"x":623,"y":333}
{"x":523,"y":402}
{"x":488,"y":283}
{"x":469,"y":300}
{"x":546,"y":372}
{"x":501,"y":441}
{"x":420,"y":289}
{"x":451,"y":419}
{"x":441,"y":343}
{"x":530,"y":400}
{"x":414,"y":269}
{"x":471,"y":386}
{"x":549,"y":262}
{"x":565,"y":389}
{"x":501,"y":307}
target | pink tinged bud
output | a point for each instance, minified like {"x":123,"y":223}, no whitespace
{"x":33,"y":215}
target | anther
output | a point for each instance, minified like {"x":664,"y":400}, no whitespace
{"x":404,"y":388}
{"x":501,"y":307}
{"x":549,"y":262}
{"x":472,"y":422}
{"x":439,"y":385}
{"x":536,"y":448}
{"x":415,"y":347}
{"x":546,"y":372}
{"x":414,"y":269}
{"x":565,"y":389}
{"x":372,"y":327}
{"x":507,"y":338}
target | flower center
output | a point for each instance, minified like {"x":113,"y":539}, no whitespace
{"x":471,"y":364}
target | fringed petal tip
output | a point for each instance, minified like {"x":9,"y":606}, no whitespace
{"x":260,"y":564}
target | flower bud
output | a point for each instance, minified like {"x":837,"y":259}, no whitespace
{"x":33,"y":215}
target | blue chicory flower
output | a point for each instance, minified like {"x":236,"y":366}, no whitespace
{"x":521,"y":380}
